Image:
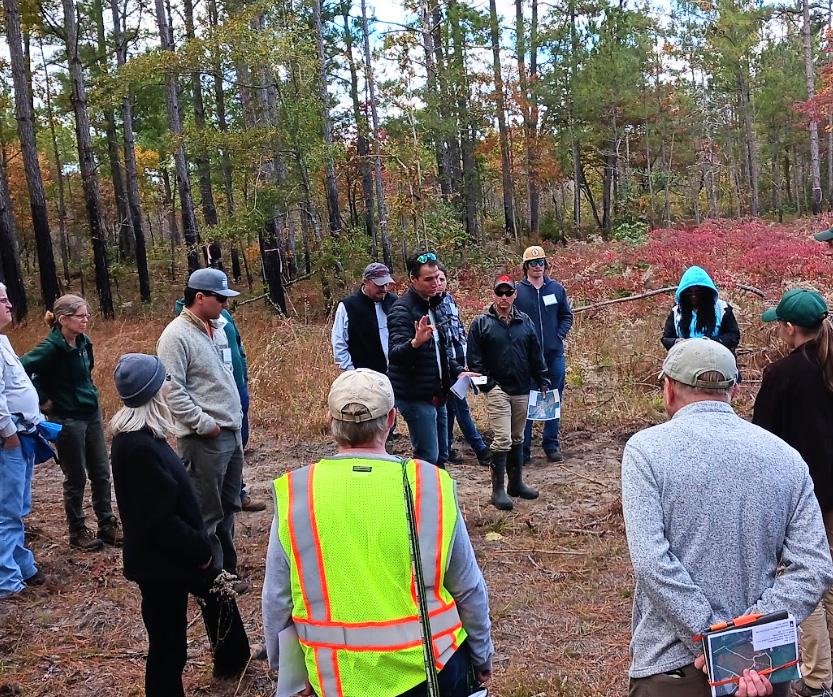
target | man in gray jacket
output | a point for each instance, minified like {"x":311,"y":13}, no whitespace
{"x":205,"y":404}
{"x":713,"y":505}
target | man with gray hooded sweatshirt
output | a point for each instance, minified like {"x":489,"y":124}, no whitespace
{"x":713,"y":505}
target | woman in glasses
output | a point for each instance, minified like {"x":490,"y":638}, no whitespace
{"x":61,"y":368}
{"x":795,"y":403}
{"x":700,"y":313}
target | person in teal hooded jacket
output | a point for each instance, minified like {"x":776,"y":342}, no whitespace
{"x":700,"y":313}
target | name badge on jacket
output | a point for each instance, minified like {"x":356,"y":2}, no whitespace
{"x":227,"y":356}
{"x":550,"y":300}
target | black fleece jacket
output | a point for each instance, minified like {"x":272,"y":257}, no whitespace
{"x":414,"y":372}
{"x":164,"y":535}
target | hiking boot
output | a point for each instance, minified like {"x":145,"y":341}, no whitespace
{"x":499,"y":498}
{"x":454,"y":457}
{"x":484,"y":457}
{"x":802,"y":689}
{"x":515,"y":468}
{"x":555,"y":455}
{"x":110,"y":533}
{"x":247,"y":503}
{"x":36,"y":579}
{"x":84,"y":539}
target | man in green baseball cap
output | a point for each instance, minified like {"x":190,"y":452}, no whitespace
{"x":799,"y":306}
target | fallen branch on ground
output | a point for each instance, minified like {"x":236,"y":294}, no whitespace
{"x":658,"y":291}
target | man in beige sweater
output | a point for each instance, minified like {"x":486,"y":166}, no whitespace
{"x":205,"y":404}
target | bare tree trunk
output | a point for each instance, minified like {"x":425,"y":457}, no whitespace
{"x":201,"y":160}
{"x":86,"y":157}
{"x":810,"y":69}
{"x":10,"y":265}
{"x":362,"y":147}
{"x":189,"y":220}
{"x":749,"y":135}
{"x":131,"y":173}
{"x":28,"y":145}
{"x":59,"y":174}
{"x":571,"y":118}
{"x":330,"y":183}
{"x":529,"y":107}
{"x":387,"y":252}
{"x":220,"y":108}
{"x":127,"y":246}
{"x":500,"y":104}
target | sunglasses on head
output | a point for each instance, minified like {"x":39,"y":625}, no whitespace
{"x":537,"y":262}
{"x":428,"y":256}
{"x":505,"y":293}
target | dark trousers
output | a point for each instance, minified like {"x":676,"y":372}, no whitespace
{"x":83,"y":453}
{"x":453,"y":678}
{"x":692,"y":683}
{"x":556,"y":368}
{"x":165,"y":614}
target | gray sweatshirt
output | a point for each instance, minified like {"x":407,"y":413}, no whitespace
{"x":203,"y":392}
{"x":463,"y":579}
{"x":712,"y":504}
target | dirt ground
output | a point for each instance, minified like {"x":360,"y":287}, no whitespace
{"x":557,"y":571}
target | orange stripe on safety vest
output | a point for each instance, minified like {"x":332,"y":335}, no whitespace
{"x":439,"y":544}
{"x":417,"y":507}
{"x":337,"y":674}
{"x":384,"y":648}
{"x":380,"y":623}
{"x":318,"y":671}
{"x":294,"y":541}
{"x":317,"y":542}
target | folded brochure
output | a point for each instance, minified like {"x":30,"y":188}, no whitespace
{"x":768,"y":645}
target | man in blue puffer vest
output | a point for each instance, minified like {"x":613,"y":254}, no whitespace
{"x":546,"y":303}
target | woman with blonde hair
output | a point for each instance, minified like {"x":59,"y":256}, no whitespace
{"x":61,"y":368}
{"x":166,"y":548}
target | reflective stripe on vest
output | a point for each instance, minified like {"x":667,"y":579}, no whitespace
{"x":317,"y":630}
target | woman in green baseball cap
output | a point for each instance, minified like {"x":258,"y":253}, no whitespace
{"x":795,"y":403}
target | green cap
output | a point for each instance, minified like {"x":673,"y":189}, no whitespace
{"x":824,"y":235}
{"x":799,"y":306}
{"x":689,"y":360}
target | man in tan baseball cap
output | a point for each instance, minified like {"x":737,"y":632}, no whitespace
{"x":339,"y":561}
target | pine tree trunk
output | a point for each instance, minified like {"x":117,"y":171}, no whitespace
{"x":189,"y":220}
{"x":130,"y":169}
{"x":202,"y":162}
{"x":749,"y":137}
{"x":127,"y":245}
{"x":361,"y":134}
{"x":810,"y":69}
{"x":452,"y":144}
{"x":220,"y":109}
{"x":330,"y":183}
{"x":500,"y":104}
{"x":387,"y":251}
{"x":59,"y":174}
{"x":87,"y":164}
{"x":9,"y":253}
{"x":28,"y":145}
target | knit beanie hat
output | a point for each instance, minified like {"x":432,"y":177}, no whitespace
{"x":138,"y":377}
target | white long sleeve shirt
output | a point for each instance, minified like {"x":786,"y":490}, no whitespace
{"x":338,"y":336}
{"x":19,"y":396}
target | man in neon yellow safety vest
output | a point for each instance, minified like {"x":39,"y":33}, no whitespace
{"x":339,"y":572}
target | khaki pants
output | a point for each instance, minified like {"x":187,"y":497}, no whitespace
{"x":507,"y":417}
{"x":685,"y":682}
{"x":817,"y":633}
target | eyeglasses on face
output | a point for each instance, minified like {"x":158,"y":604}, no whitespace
{"x":83,"y":316}
{"x":537,"y":262}
{"x":425,"y":258}
{"x":505,"y":293}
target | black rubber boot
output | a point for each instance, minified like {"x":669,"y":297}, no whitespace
{"x":515,"y":468}
{"x":499,"y":498}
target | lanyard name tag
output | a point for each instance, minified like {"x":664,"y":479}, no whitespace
{"x":226,"y":355}
{"x":550,"y":300}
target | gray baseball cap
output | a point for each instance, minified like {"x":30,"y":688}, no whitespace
{"x":378,"y":273}
{"x":211,"y":280}
{"x":690,"y":359}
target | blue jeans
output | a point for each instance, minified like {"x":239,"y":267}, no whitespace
{"x":459,"y":409}
{"x":557,"y":369}
{"x":17,"y":563}
{"x":453,"y":679}
{"x":428,"y":426}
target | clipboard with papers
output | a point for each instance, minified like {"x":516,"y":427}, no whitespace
{"x":766,"y":643}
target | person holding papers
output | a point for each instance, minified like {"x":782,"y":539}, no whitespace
{"x":795,"y":403}
{"x":713,"y":506}
{"x":504,"y":347}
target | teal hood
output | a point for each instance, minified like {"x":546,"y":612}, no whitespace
{"x":695,"y":276}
